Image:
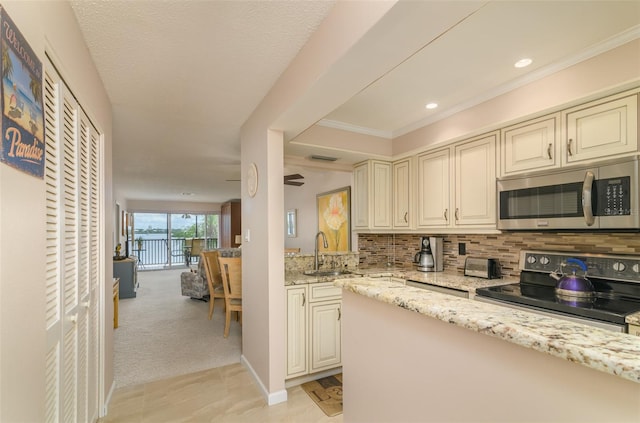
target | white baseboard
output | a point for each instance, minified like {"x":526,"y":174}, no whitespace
{"x":107,"y":400}
{"x":272,"y":398}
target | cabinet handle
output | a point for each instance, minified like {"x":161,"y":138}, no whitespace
{"x":446,"y":215}
{"x":549,"y":151}
{"x":569,"y":147}
{"x":339,"y":313}
{"x":405,"y":217}
{"x":457,"y":216}
{"x":304,"y":299}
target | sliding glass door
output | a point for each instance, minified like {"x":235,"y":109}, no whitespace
{"x":149,"y":241}
{"x":166,"y":240}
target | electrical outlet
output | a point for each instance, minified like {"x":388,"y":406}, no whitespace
{"x":462,"y":248}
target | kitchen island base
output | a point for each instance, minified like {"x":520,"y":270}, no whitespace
{"x":399,"y":365}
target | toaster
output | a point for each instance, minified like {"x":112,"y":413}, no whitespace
{"x":482,"y":268}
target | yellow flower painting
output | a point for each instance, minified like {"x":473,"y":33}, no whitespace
{"x":334,"y":219}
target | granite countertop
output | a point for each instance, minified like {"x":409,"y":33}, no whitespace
{"x":610,"y":352}
{"x":633,"y":319}
{"x":299,"y":278}
{"x":445,"y":279}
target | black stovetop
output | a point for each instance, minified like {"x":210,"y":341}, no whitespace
{"x":612,"y":302}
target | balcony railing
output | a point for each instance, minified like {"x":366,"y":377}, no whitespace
{"x":163,"y":252}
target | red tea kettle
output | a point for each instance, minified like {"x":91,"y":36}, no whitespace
{"x":574,"y":286}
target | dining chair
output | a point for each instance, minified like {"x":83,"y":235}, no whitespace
{"x":231,"y":268}
{"x":197,"y":246}
{"x":214,"y":278}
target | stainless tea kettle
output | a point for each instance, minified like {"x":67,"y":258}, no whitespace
{"x":573,"y":286}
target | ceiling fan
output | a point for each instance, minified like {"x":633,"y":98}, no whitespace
{"x":290,"y":180}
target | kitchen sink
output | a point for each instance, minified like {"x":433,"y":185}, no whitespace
{"x":335,"y":272}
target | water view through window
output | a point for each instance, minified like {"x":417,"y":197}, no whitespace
{"x":165,"y":240}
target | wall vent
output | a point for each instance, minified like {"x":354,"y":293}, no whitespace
{"x":323,"y":158}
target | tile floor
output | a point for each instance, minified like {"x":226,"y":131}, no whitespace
{"x":224,"y":394}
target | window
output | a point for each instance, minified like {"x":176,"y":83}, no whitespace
{"x":164,"y":239}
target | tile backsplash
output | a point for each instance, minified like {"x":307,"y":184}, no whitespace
{"x":400,"y":249}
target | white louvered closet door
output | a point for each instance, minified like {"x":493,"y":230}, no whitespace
{"x":73,"y":193}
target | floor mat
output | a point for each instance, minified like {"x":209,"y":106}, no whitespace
{"x":327,"y":393}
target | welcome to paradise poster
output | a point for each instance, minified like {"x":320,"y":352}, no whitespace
{"x":23,"y":144}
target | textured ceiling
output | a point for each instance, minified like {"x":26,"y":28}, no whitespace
{"x":182,"y":77}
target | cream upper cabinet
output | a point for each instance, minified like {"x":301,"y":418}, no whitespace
{"x":434,"y":189}
{"x":403,"y":215}
{"x":531,"y":145}
{"x":361,"y":196}
{"x":372,"y":195}
{"x":475,"y":182}
{"x":457,"y":185}
{"x":603,"y":128}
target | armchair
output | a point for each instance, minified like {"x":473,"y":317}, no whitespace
{"x":194,"y":284}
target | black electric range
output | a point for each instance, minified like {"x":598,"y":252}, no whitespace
{"x":616,"y":280}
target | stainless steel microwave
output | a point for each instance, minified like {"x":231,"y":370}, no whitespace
{"x":602,"y":197}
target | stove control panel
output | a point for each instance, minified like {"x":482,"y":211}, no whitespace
{"x":623,"y":268}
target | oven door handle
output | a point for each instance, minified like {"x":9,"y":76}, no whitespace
{"x":587,"y":205}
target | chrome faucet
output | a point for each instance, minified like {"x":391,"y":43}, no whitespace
{"x":324,"y":243}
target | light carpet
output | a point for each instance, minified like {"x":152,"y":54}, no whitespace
{"x":162,"y":334}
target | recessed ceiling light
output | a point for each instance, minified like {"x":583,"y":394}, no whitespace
{"x":187,"y":194}
{"x":431,"y":106}
{"x":523,"y":63}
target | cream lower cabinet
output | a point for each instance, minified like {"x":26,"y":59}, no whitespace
{"x":457,"y":185}
{"x":313,"y":328}
{"x":297,"y":360}
{"x":325,"y":335}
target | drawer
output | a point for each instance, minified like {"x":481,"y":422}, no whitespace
{"x":324,"y":291}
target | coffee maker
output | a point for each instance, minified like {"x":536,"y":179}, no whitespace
{"x":430,"y":257}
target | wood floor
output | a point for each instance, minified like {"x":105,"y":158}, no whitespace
{"x":223,"y":394}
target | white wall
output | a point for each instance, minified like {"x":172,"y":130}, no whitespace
{"x":51,"y":27}
{"x":401,"y":366}
{"x":303,"y":199}
{"x":263,"y":331}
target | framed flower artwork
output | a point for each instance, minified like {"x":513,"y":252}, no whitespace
{"x":334,"y":219}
